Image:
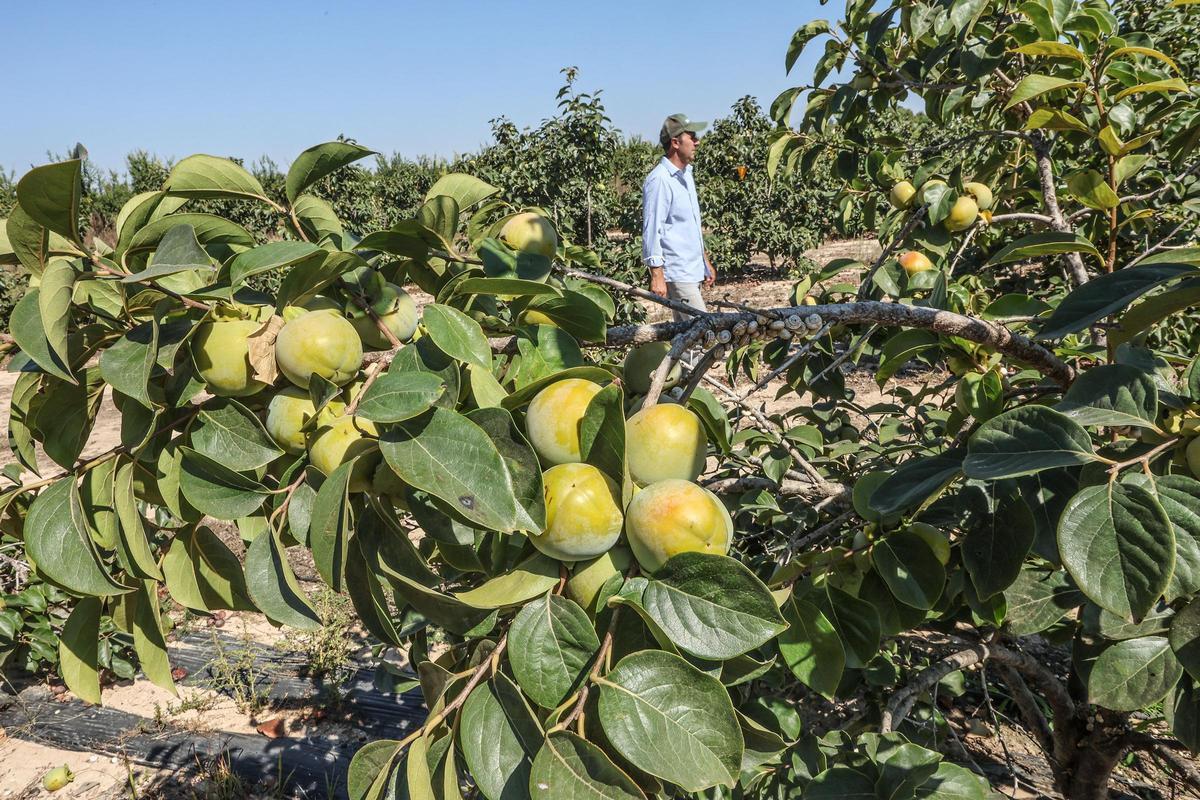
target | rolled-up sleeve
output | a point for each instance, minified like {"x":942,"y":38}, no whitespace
{"x":655,"y":205}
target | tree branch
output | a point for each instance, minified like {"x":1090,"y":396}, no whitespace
{"x":902,"y":701}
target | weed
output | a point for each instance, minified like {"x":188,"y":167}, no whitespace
{"x":236,"y":673}
{"x":327,"y":650}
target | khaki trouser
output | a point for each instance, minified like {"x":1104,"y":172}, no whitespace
{"x":686,"y":293}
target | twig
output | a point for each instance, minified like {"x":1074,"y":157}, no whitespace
{"x":374,"y":370}
{"x":597,"y":665}
{"x":800,"y":353}
{"x":902,"y":700}
{"x":635,"y":291}
{"x":795,"y":544}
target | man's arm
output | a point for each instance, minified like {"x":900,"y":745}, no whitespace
{"x":655,"y":203}
{"x":710,"y":272}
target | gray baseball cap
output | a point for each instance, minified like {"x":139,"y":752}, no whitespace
{"x":677,"y":124}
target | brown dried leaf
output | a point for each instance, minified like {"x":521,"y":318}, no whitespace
{"x":273,"y":728}
{"x":261,"y":346}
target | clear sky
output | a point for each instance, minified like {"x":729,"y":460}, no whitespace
{"x":271,"y":77}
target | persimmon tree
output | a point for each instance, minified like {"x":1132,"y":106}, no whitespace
{"x":618,"y":578}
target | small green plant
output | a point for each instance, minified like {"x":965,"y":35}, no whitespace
{"x":327,"y":649}
{"x":236,"y":673}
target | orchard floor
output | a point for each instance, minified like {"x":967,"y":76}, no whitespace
{"x":1002,"y":750}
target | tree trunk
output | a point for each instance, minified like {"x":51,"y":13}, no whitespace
{"x":1095,"y":756}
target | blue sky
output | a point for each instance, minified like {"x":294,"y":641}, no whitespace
{"x":265,"y":77}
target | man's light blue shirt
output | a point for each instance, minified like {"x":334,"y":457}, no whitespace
{"x":671,"y":236}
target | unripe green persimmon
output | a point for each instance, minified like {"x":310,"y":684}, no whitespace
{"x":220,"y":350}
{"x":583,"y":513}
{"x":902,"y":195}
{"x":982,"y":194}
{"x":322,"y":342}
{"x":400,"y":319}
{"x":665,"y":441}
{"x":553,"y":417}
{"x":641,"y":363}
{"x":57,"y":778}
{"x":962,"y":214}
{"x":590,"y":576}
{"x":287,"y":413}
{"x":530,"y":233}
{"x":676,"y":516}
{"x":1192,"y":453}
{"x":341,"y":440}
{"x":386,"y":483}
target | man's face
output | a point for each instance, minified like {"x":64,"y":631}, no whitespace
{"x":685,"y":145}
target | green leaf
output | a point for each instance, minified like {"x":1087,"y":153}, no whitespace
{"x":306,"y":278}
{"x":317,"y":162}
{"x":54,"y":304}
{"x":50,"y":196}
{"x":270,"y":256}
{"x":399,"y":395}
{"x":1118,"y":544}
{"x":1112,"y":394}
{"x":1155,"y":309}
{"x":225,"y":431}
{"x":1037,"y":599}
{"x":1107,"y":294}
{"x":1054,"y":119}
{"x":900,"y":349}
{"x":457,"y":335}
{"x":273,"y":586}
{"x":216,"y":490}
{"x":550,"y":645}
{"x":78,"y":648}
{"x":1051,"y":49}
{"x":29,"y":333}
{"x":1185,"y":637}
{"x":525,"y":581}
{"x":841,"y":783}
{"x":915,"y":481}
{"x":216,"y":234}
{"x":1023,"y":441}
{"x":1168,"y":85}
{"x":1133,"y":674}
{"x":1043,"y":244}
{"x":178,"y":251}
{"x":209,"y":176}
{"x":574,"y":312}
{"x":466,"y":190}
{"x":514,"y":287}
{"x":952,"y":782}
{"x":58,"y":542}
{"x":128,"y":364}
{"x":203,"y":574}
{"x":1182,"y":712}
{"x":712,"y":606}
{"x":568,"y":767}
{"x":1180,"y":498}
{"x":521,"y":462}
{"x":452,"y":458}
{"x":910,"y":569}
{"x":1035,"y":85}
{"x":805,"y":34}
{"x":1091,"y":188}
{"x":372,"y":763}
{"x":811,"y":647}
{"x":148,"y":640}
{"x":493,"y":735}
{"x":329,"y":530}
{"x":602,"y":433}
{"x":995,"y":546}
{"x":856,"y":621}
{"x":671,"y":720}
{"x":1144,"y":51}
{"x":134,"y":549}
{"x":317,"y":218}
{"x":417,"y":773}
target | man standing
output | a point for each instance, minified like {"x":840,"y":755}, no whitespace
{"x":672,"y":244}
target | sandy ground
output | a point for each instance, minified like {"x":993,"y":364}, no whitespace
{"x":22,"y":763}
